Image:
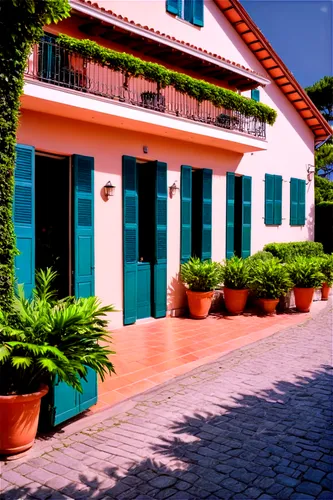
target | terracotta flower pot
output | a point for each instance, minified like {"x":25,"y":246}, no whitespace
{"x":303,"y":298}
{"x":199,"y":303}
{"x":235,"y":300}
{"x":19,"y":420}
{"x":268,"y":306}
{"x":325,"y":291}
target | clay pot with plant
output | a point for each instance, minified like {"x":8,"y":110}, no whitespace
{"x":235,"y":279}
{"x":326,"y":267}
{"x":306,"y":276}
{"x":269,"y":280}
{"x":201,"y":279}
{"x":44,"y":340}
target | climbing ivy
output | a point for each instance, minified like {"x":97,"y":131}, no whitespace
{"x":153,"y":72}
{"x":21,"y":25}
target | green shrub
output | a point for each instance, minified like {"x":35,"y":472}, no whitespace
{"x":261,"y":256}
{"x":201,"y":276}
{"x":305,"y":272}
{"x":288,"y":251}
{"x":236,"y":273}
{"x":47,"y":339}
{"x":269,"y":279}
{"x":326,"y":267}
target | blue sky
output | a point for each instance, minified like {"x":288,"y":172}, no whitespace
{"x":301,"y":33}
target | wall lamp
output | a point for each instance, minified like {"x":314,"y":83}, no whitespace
{"x":109,"y":189}
{"x":173,"y":189}
{"x":310,"y":169}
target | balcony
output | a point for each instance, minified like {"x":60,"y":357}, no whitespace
{"x":60,"y":68}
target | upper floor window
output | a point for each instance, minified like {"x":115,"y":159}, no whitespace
{"x":189,"y":10}
{"x":255,"y":95}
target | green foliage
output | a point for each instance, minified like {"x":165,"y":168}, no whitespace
{"x":269,"y":279}
{"x":236,"y":273}
{"x":305,"y":272}
{"x":262,"y":255}
{"x":321,"y":93}
{"x":326,"y":268}
{"x":323,"y":190}
{"x":324,"y":159}
{"x":153,"y":72}
{"x":325,"y":204}
{"x":288,"y":251}
{"x":201,"y":276}
{"x":47,"y":339}
{"x":22,"y":24}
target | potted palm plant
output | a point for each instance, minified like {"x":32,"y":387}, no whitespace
{"x":235,"y":279}
{"x":269,"y":280}
{"x":42,"y":341}
{"x":306,"y":277}
{"x":201,"y":279}
{"x":326,"y":267}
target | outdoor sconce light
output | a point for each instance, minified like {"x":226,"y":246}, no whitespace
{"x":310,"y":172}
{"x":109,"y":189}
{"x":173,"y":189}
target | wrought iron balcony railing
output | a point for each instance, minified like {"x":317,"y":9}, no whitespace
{"x":53,"y":64}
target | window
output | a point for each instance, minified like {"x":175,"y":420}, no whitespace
{"x":189,"y":10}
{"x":273,"y":199}
{"x":297,"y":202}
{"x":255,"y":95}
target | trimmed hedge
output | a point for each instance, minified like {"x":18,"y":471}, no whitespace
{"x":198,"y":89}
{"x":288,"y":251}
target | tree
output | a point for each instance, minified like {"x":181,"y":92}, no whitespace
{"x":21,"y":25}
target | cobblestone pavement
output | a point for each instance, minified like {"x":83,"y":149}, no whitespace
{"x":254,"y":424}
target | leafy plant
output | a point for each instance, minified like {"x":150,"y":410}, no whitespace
{"x":236,"y":273}
{"x":198,"y":89}
{"x":262,"y":255}
{"x":269,"y":279}
{"x":47,"y":339}
{"x":288,"y":251}
{"x":305,"y":272}
{"x":201,"y":276}
{"x":326,"y":268}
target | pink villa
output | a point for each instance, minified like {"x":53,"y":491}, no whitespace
{"x":118,"y":180}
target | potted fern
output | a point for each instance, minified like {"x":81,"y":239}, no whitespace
{"x":306,"y":275}
{"x":269,"y":281}
{"x":201,"y":279}
{"x":235,"y":279}
{"x":326,"y":267}
{"x":41,"y":341}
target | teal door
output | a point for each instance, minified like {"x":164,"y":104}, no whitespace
{"x":230,"y":215}
{"x":144,"y":290}
{"x":246,"y":215}
{"x":206,"y":213}
{"x":160,"y":264}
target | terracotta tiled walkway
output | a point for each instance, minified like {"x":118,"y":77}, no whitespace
{"x":153,"y":352}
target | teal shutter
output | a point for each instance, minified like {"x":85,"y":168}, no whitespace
{"x":173,"y":6}
{"x":198,"y":12}
{"x":186,"y":213}
{"x":269,"y":199}
{"x":206,"y":242}
{"x":230,"y":215}
{"x":301,"y":202}
{"x":130,"y":238}
{"x":277,"y":200}
{"x":84,"y":254}
{"x":160,"y":265}
{"x":246,"y":216}
{"x":255,"y":95}
{"x":293,"y":201}
{"x":188,"y":10}
{"x":24,"y":217}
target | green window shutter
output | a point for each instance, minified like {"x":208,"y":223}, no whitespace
{"x":160,"y":265}
{"x":293,"y":201}
{"x":198,"y":12}
{"x":186,"y":213}
{"x":84,"y":255}
{"x":188,"y":10}
{"x":173,"y":6}
{"x":301,"y":202}
{"x":246,"y":216}
{"x":206,"y":234}
{"x":130,"y":238}
{"x":269,"y":199}
{"x":230,"y":215}
{"x":255,"y":95}
{"x":24,"y":217}
{"x":277,"y":200}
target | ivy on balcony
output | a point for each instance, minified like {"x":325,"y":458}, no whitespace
{"x":200,"y":90}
